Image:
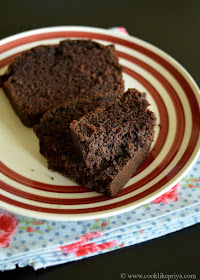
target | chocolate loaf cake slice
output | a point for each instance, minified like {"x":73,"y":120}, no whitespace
{"x":121,"y":127}
{"x":56,"y":145}
{"x":46,"y":76}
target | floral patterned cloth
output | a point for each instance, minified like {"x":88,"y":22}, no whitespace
{"x":38,"y":243}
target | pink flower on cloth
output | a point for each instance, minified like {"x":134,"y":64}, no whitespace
{"x":81,"y":248}
{"x":83,"y":241}
{"x":191,"y":186}
{"x":92,"y":248}
{"x":169,"y":196}
{"x":8,"y":226}
{"x":90,"y":235}
{"x":30,"y":229}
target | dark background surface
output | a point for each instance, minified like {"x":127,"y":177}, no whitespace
{"x":173,"y":26}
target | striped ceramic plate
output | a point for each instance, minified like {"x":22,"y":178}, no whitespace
{"x":29,"y":188}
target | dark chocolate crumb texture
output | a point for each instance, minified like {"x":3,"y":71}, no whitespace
{"x":123,"y":148}
{"x":121,"y":127}
{"x":55,"y":137}
{"x":46,"y":76}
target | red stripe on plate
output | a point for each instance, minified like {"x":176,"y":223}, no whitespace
{"x":39,"y":185}
{"x":70,"y":34}
{"x":51,"y":200}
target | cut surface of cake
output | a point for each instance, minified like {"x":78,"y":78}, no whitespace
{"x":46,"y":76}
{"x":121,"y":127}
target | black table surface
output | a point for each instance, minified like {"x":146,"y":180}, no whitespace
{"x":173,"y":26}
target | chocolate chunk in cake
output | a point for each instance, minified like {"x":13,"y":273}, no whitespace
{"x":46,"y":76}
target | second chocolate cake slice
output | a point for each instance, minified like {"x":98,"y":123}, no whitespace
{"x":120,"y":128}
